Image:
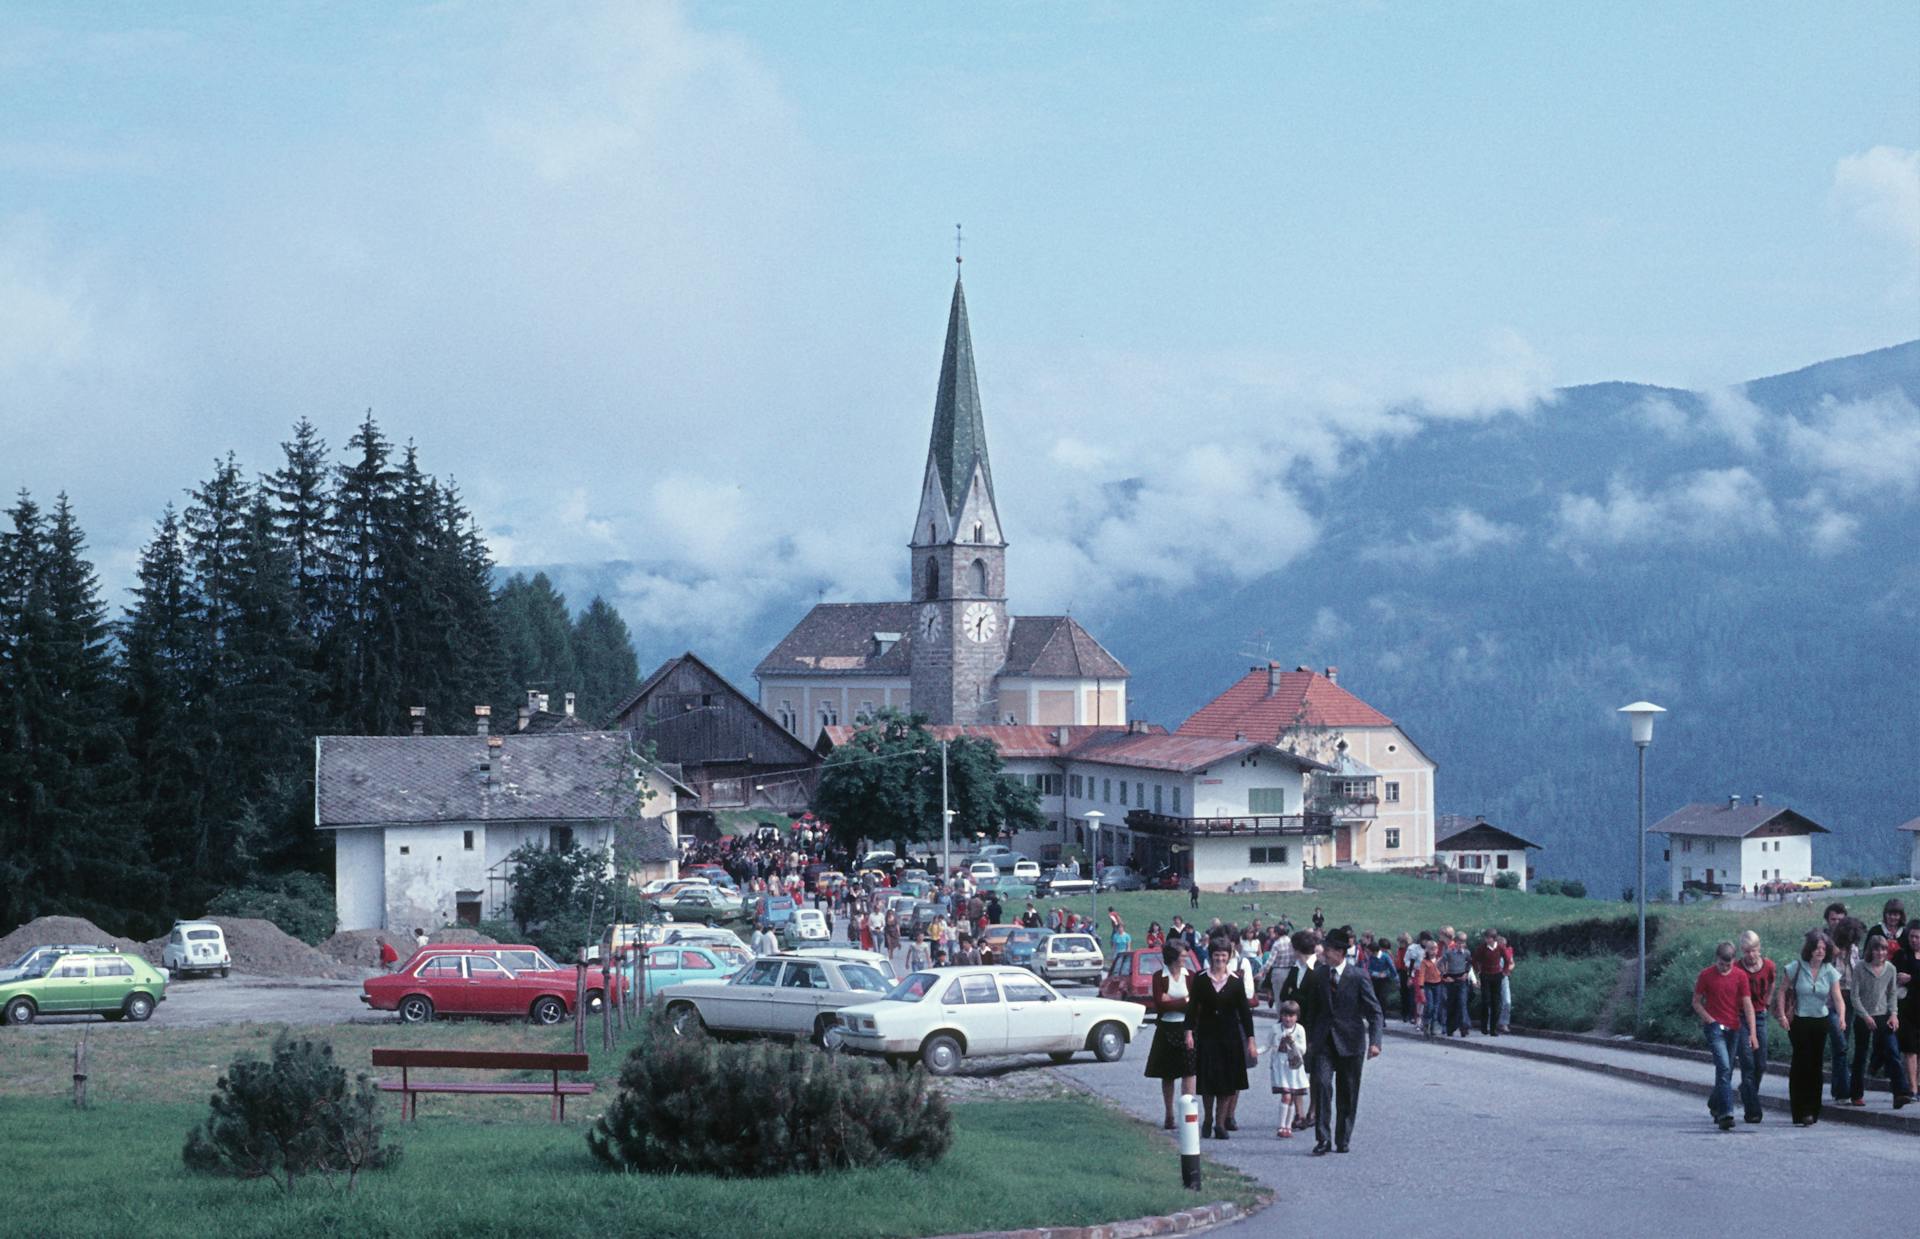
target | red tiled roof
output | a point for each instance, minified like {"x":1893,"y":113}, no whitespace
{"x":1261,"y":710}
{"x":1177,"y":753}
{"x":1013,"y":741}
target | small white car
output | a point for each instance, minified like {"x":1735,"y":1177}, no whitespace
{"x":943,"y":1015}
{"x":1026,"y":870}
{"x":806,"y":925}
{"x":982,"y":870}
{"x":196,"y":946}
{"x":1069,"y":957}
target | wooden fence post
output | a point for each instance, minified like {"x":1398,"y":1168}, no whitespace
{"x":80,"y":1071}
{"x":580,"y":1004}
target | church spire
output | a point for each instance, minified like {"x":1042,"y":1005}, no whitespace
{"x":959,"y":430}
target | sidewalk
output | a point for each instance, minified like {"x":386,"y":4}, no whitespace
{"x":1667,"y":1067}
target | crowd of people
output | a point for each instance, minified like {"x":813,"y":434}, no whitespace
{"x":1848,"y":1000}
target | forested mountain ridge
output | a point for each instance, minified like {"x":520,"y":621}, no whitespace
{"x":1746,"y":558}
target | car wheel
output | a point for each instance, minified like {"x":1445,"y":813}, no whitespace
{"x":226,"y":972}
{"x":20,"y":1011}
{"x":548,"y":1010}
{"x":595,"y":1000}
{"x":1061,"y":1056}
{"x":941,"y":1055}
{"x":1109,"y":1043}
{"x":684,"y":1019}
{"x":416,"y":1009}
{"x":829,"y":1034}
{"x":138,"y":1007}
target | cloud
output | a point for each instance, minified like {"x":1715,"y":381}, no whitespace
{"x":1827,"y":529}
{"x":1709,"y":505}
{"x":1881,"y":186}
{"x":1662,"y":414}
{"x":1462,"y":532}
{"x":1860,"y":446}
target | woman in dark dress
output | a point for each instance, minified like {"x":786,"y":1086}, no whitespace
{"x":1170,"y":1059}
{"x":1907,"y":966}
{"x":1220,"y":1030}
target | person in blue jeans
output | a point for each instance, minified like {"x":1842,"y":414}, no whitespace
{"x":1846,"y":956}
{"x":1761,"y":975}
{"x":1723,"y":999}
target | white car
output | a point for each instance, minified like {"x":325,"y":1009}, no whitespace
{"x":196,"y":946}
{"x":943,"y":1015}
{"x":776,"y":995}
{"x":806,"y":925}
{"x":982,"y":870}
{"x":852,"y":955}
{"x":1025,"y":870}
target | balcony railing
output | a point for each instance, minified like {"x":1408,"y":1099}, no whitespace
{"x":1252,"y":825}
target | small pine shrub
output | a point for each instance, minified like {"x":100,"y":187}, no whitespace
{"x":294,"y":1116}
{"x":1574,"y":888}
{"x":1507,"y":881}
{"x":1547,"y":886}
{"x":692,"y":1105}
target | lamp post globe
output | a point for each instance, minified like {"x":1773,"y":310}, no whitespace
{"x":1641,"y":715}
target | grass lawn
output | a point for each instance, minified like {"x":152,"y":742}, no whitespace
{"x":115,"y":1169}
{"x":482,"y":1166}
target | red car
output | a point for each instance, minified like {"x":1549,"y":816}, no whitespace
{"x":1129,"y":978}
{"x":450,"y":981}
{"x":521,"y":959}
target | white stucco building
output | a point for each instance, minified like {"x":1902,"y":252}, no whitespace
{"x":1735,"y":846}
{"x":423,"y":825}
{"x":1474,"y":848}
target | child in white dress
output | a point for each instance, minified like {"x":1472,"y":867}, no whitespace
{"x":1287,"y":1060}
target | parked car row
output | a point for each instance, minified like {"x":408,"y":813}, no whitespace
{"x":65,"y":980}
{"x":943,"y":1015}
{"x":490,"y":980}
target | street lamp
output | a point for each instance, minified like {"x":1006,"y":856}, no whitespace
{"x":1641,"y":713}
{"x":1093,"y":862}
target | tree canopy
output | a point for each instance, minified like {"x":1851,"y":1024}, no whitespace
{"x":884,"y":784}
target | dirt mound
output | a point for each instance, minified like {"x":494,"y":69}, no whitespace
{"x":459,"y":936}
{"x":360,"y":948}
{"x":261,"y":948}
{"x":66,"y":930}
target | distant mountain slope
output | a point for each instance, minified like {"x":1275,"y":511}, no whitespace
{"x":1749,"y":559}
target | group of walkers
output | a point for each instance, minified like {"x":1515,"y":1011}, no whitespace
{"x":1330,"y":1020}
{"x":1851,"y":983}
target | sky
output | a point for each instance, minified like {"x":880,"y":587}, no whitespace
{"x":666,"y":284}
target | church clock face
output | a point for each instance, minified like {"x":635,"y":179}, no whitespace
{"x":979,"y":623}
{"x":930,"y":622}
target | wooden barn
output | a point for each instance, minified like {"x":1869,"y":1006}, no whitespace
{"x":734,"y":754}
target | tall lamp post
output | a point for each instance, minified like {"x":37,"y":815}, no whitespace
{"x":1093,"y":868}
{"x":1640,"y":714}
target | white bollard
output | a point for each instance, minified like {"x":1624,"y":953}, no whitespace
{"x":1187,"y":1120}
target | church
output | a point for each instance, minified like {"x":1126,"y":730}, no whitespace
{"x":951,"y":652}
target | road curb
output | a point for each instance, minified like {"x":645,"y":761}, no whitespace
{"x":1884,"y":1120}
{"x":1185,"y":1222}
{"x":1661,"y":1048}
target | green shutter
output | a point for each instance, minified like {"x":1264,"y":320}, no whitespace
{"x":1270,"y":801}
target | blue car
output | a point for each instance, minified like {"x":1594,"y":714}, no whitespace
{"x":1021,"y":944}
{"x":774,"y":911}
{"x":670,"y":965}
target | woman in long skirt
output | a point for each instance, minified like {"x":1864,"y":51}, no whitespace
{"x":1220,"y":1029}
{"x":1170,"y":1059}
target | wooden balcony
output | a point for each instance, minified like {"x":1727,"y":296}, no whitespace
{"x":1251,"y":826}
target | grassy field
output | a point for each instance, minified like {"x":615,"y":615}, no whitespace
{"x":494,"y":1166}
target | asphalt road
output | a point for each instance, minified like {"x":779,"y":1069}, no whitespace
{"x":1450,"y":1142}
{"x":239,"y":999}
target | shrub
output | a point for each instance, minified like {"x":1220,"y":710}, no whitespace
{"x":1507,"y":881}
{"x":294,"y":1116}
{"x":1602,"y":936}
{"x":1852,"y":882}
{"x":1563,"y":992}
{"x":299,"y":903}
{"x":1546,"y":886}
{"x":1574,"y":888}
{"x":694,"y":1105}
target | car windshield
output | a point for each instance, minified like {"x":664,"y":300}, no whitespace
{"x":915,"y":987}
{"x":1023,"y":937}
{"x":1074,"y":942}
{"x":202,"y":935}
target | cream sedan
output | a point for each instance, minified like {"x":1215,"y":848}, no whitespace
{"x":942,"y":1015}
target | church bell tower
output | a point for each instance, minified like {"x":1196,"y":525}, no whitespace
{"x":960,"y":623}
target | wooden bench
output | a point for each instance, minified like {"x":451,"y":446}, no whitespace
{"x":482,"y":1060}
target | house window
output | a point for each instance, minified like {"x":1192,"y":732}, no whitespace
{"x":1393,"y":793}
{"x":980,"y":577}
{"x":1393,"y":838}
{"x":1176,"y":800}
{"x":1123,"y":791}
{"x":1709,"y":847}
{"x":866,"y":709}
{"x":1267,"y":856}
{"x":1267,"y":800}
{"x":405,"y":850}
{"x":829,"y":714}
{"x":466,"y":840}
{"x":1686,"y":845}
{"x":1686,"y":874}
{"x":1106,"y":790}
{"x":1140,"y":794}
{"x":789,"y":721}
{"x":1158,"y":790}
{"x":559,"y":838}
{"x":1500,"y":860}
{"x":1076,"y":786}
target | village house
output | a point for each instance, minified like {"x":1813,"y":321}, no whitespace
{"x":1379,"y":787}
{"x":1475,"y":849}
{"x":1913,"y":862}
{"x":423,"y":826}
{"x":1732,"y":846}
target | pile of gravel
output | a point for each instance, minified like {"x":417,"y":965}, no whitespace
{"x":66,"y":930}
{"x":461,"y":936}
{"x":360,"y":948}
{"x":261,"y":948}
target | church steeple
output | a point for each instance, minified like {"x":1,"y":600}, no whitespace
{"x":959,"y":431}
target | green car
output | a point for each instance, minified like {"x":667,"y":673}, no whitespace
{"x":90,"y":983}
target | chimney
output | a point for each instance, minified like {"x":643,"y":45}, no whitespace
{"x":1273,"y":678}
{"x":1061,"y":736}
{"x":1733,"y":801}
{"x":526,"y":716}
{"x":1333,"y":675}
{"x":533,"y":700}
{"x":1137,"y":727}
{"x":542,"y":707}
{"x":419,"y":716}
{"x":569,"y":700}
{"x":491,"y":762}
{"x":481,"y":715}
{"x":1239,"y":735}
{"x":1756,"y":800}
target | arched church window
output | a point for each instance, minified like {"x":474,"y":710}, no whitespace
{"x":933,"y":579}
{"x":980,"y":577}
{"x":979,"y":531}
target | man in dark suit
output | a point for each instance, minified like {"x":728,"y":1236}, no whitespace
{"x":1344,"y":1023}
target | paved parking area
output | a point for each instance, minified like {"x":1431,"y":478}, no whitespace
{"x":240,"y":999}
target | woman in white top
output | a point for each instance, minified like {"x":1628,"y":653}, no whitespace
{"x":1170,"y":1058}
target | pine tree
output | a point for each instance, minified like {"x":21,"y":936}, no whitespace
{"x":367,"y":527}
{"x":302,"y":516}
{"x":608,"y":667}
{"x":538,"y":632}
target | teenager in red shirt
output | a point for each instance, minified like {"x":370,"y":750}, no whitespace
{"x":1723,"y":999}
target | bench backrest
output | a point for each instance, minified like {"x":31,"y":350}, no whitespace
{"x":499,"y":1060}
